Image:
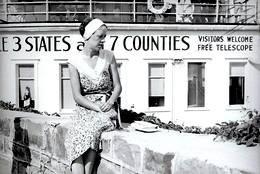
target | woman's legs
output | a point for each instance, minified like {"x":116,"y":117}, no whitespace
{"x":89,"y":160}
{"x":97,"y":162}
{"x":78,"y":166}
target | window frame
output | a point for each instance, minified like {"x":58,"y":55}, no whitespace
{"x":168,"y":62}
{"x":156,"y":77}
{"x":123,"y":79}
{"x":206,"y":88}
{"x":237,"y":106}
{"x":197,"y":98}
{"x":62,"y":109}
{"x":15,"y":65}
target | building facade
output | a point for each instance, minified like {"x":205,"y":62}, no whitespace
{"x":188,"y":62}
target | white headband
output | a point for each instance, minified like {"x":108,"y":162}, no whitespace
{"x":92,"y":27}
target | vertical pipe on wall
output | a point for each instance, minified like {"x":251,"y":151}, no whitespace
{"x":217,"y":11}
{"x":47,"y":10}
{"x":90,"y":8}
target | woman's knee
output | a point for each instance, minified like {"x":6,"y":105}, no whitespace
{"x":77,"y":166}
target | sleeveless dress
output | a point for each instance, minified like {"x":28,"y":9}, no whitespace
{"x":88,"y":125}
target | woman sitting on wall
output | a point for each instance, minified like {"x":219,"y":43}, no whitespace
{"x":95,"y":86}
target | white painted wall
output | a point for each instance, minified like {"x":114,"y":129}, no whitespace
{"x":135,"y":75}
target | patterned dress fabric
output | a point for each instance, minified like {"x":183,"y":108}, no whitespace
{"x":88,"y":125}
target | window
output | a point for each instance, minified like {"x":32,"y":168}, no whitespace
{"x":196,"y":84}
{"x":67,"y":101}
{"x":122,"y":72}
{"x":113,"y":12}
{"x":181,"y":11}
{"x":25,"y":78}
{"x":144,"y":15}
{"x":156,"y":85}
{"x":68,"y":10}
{"x":236,"y":83}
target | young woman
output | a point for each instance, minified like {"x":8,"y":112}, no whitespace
{"x":95,"y":86}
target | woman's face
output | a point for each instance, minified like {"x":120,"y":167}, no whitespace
{"x":96,"y":41}
{"x":26,"y":91}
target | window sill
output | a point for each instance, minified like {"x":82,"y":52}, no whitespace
{"x":235,"y":107}
{"x":197,"y":109}
{"x":157,"y":109}
{"x":66,"y":112}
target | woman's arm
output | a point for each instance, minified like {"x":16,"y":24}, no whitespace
{"x":75,"y":86}
{"x":116,"y":84}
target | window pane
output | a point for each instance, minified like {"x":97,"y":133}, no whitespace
{"x":65,"y":71}
{"x":26,"y":83}
{"x":196,"y":87}
{"x":66,"y":96}
{"x":26,"y":93}
{"x":26,"y":8}
{"x":26,"y":71}
{"x":2,"y":17}
{"x":23,"y":0}
{"x":66,"y":7}
{"x":67,"y":100}
{"x":2,"y":9}
{"x":119,"y":68}
{"x":34,"y":17}
{"x":156,"y":85}
{"x":156,"y":101}
{"x":237,"y":69}
{"x":68,"y":17}
{"x":68,"y":11}
{"x":141,"y":7}
{"x":236,"y":83}
{"x":114,"y":17}
{"x":15,"y":18}
{"x":156,"y":70}
{"x":26,"y":86}
{"x":236,"y":90}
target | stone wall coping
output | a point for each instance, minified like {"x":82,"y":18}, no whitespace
{"x":199,"y":147}
{"x":36,"y":118}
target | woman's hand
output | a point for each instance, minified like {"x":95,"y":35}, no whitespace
{"x":98,"y":109}
{"x":106,"y":106}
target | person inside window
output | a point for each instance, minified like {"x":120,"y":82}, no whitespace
{"x":27,"y":99}
{"x":95,"y":86}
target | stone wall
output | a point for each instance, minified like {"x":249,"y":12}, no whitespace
{"x":46,"y":152}
{"x":124,"y":151}
{"x":121,"y":156}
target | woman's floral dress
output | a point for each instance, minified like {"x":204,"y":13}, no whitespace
{"x":87,"y":125}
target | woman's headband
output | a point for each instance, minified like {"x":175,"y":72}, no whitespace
{"x":92,"y":27}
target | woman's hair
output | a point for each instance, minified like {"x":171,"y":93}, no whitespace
{"x":83,"y":25}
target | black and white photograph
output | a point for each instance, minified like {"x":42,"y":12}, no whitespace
{"x":130,"y":87}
